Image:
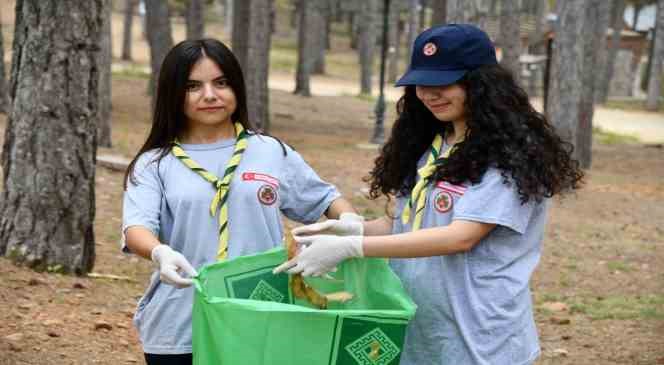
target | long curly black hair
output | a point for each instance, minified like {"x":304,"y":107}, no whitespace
{"x":503,"y":131}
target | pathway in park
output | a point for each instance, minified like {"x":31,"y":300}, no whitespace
{"x":647,"y":127}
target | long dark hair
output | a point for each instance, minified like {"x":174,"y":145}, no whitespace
{"x":168,"y":119}
{"x":503,"y":131}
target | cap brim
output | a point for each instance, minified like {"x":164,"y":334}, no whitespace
{"x":430,"y":77}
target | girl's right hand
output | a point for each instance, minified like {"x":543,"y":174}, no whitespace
{"x":170,"y":264}
{"x":348,"y":224}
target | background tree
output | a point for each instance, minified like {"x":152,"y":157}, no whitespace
{"x":602,"y":58}
{"x":4,"y":95}
{"x":130,"y":5}
{"x":394,"y":40}
{"x":510,"y":39}
{"x":160,"y":40}
{"x":367,"y":43}
{"x":251,"y":44}
{"x":566,"y":70}
{"x":617,"y":11}
{"x":654,"y":84}
{"x":195,"y":20}
{"x":462,"y":11}
{"x":305,"y":48}
{"x":439,"y":12}
{"x":319,"y":24}
{"x":105,"y":60}
{"x":414,"y":7}
{"x":48,"y":159}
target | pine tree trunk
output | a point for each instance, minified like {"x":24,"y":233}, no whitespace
{"x":439,"y":15}
{"x":654,"y":84}
{"x":305,"y":56}
{"x":591,"y":28}
{"x":258,"y":62}
{"x":228,"y":17}
{"x":48,"y":160}
{"x":566,"y":74}
{"x":195,"y":21}
{"x":158,"y":24}
{"x":367,"y":43}
{"x":462,"y":11}
{"x":126,"y":31}
{"x":413,"y":22}
{"x":617,"y":10}
{"x":509,"y":37}
{"x":105,"y":58}
{"x":603,"y":19}
{"x":4,"y":95}
{"x":318,"y":22}
{"x":394,"y":40}
{"x":240,"y":40}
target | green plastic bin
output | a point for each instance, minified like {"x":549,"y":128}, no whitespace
{"x":245,"y":315}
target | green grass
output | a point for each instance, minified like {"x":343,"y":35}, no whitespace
{"x":621,"y":307}
{"x":631,"y":105}
{"x":606,"y":137}
{"x":131,"y":72}
{"x":618,"y":266}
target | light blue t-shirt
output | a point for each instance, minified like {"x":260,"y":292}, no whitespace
{"x":474,"y":307}
{"x":174,"y":203}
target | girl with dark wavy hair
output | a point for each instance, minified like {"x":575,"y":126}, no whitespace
{"x":206,"y":186}
{"x":472,"y":166}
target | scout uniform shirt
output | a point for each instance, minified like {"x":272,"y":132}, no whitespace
{"x":474,"y":307}
{"x":173,"y":202}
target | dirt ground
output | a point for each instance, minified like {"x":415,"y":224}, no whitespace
{"x":599,"y":289}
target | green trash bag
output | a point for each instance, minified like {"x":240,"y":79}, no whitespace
{"x":245,"y":315}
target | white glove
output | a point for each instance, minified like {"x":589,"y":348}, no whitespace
{"x":321,"y":253}
{"x":348,"y":224}
{"x":170,"y":264}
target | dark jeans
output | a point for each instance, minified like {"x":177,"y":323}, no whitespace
{"x":180,"y":359}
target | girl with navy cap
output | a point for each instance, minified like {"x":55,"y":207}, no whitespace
{"x":472,"y":166}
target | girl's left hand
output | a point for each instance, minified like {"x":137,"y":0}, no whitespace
{"x":321,"y":254}
{"x":348,"y":224}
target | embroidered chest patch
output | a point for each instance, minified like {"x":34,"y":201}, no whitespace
{"x":443,"y":201}
{"x":267,"y":194}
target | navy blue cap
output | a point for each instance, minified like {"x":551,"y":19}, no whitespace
{"x":443,"y":54}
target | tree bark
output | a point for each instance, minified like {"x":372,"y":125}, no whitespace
{"x":105,"y":60}
{"x":617,"y":10}
{"x":158,"y":24}
{"x":603,"y":19}
{"x":126,"y":31}
{"x":251,"y":46}
{"x":591,"y":28}
{"x":394,"y":41}
{"x":305,"y":49}
{"x":228,"y":17}
{"x":48,"y":160}
{"x":4,"y":95}
{"x":195,"y":20}
{"x":654,"y":84}
{"x":367,"y":44}
{"x":509,"y":37}
{"x":318,"y":22}
{"x":439,"y":15}
{"x":566,"y":74}
{"x":462,"y":11}
{"x":413,"y":22}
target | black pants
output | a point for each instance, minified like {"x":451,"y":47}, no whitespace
{"x":180,"y":359}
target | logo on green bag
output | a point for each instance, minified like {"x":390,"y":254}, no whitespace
{"x":374,"y":348}
{"x":266,"y":292}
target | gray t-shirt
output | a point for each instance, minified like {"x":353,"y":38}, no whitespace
{"x":174,"y":203}
{"x":475,"y":307}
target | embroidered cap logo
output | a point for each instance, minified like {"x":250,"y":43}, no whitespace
{"x":429,"y":49}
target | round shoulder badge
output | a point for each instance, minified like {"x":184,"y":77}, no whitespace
{"x":443,"y":201}
{"x":429,"y":49}
{"x":267,"y":194}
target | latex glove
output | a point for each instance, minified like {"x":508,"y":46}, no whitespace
{"x":170,"y":264}
{"x":321,"y":253}
{"x":348,"y":224}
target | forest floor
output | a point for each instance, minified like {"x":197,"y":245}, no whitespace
{"x":598,"y":291}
